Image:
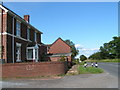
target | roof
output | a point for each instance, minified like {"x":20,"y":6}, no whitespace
{"x":17,"y":16}
{"x":62,"y":40}
{"x":48,"y":45}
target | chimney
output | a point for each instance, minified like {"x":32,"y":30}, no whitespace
{"x":26,"y":18}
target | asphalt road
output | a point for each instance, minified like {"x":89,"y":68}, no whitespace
{"x":111,"y":68}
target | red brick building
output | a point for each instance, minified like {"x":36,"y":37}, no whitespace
{"x":19,"y":40}
{"x":58,"y":49}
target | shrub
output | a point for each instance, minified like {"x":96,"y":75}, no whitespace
{"x":62,"y":58}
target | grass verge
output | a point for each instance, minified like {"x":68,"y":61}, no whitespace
{"x":37,"y":77}
{"x":89,"y":70}
{"x":104,"y":60}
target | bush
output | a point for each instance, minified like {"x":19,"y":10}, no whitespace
{"x":62,"y":58}
{"x":75,"y":61}
{"x":83,"y":57}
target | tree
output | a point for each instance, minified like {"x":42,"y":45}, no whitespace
{"x":96,"y":55}
{"x":74,"y":51}
{"x":110,"y":50}
{"x":83,"y":57}
{"x":117,"y":46}
{"x":104,"y":53}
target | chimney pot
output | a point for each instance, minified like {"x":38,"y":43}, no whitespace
{"x":26,"y":18}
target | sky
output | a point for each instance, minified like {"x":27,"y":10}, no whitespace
{"x":87,"y":24}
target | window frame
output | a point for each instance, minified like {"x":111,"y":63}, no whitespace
{"x":35,"y":36}
{"x":18,"y":28}
{"x":34,"y":53}
{"x":18,"y":45}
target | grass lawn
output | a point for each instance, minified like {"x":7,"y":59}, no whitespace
{"x":89,"y":70}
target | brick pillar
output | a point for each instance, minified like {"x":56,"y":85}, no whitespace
{"x":0,"y":33}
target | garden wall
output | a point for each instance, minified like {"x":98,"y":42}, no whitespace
{"x":33,"y":69}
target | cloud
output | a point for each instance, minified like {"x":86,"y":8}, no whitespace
{"x":91,"y":49}
{"x":85,"y":51}
{"x":78,"y":46}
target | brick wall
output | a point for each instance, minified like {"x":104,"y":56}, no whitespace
{"x":33,"y":69}
{"x":59,"y":46}
{"x":4,"y":37}
{"x":68,"y":58}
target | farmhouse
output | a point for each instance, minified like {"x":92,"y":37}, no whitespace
{"x":19,"y":40}
{"x":59,"y":49}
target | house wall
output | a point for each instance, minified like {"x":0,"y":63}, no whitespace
{"x":54,"y":58}
{"x":59,"y":47}
{"x":7,"y":40}
{"x":4,"y":37}
{"x":43,"y":53}
{"x":33,"y":69}
{"x":23,"y":49}
{"x":68,"y":58}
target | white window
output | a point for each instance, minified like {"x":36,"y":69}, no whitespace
{"x":32,"y":53}
{"x":28,"y":33}
{"x":35,"y":36}
{"x":18,"y":52}
{"x":17,"y":28}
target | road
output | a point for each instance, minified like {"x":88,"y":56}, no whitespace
{"x":111,"y":68}
{"x":103,"y":80}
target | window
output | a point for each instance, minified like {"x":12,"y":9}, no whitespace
{"x":35,"y":36}
{"x":18,"y":52}
{"x":17,"y":28}
{"x":36,"y":52}
{"x":28,"y":33}
{"x":30,"y":54}
{"x":40,"y":38}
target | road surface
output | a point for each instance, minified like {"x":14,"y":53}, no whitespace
{"x":107,"y":79}
{"x":111,"y":68}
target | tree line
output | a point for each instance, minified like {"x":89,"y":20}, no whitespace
{"x":110,"y":50}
